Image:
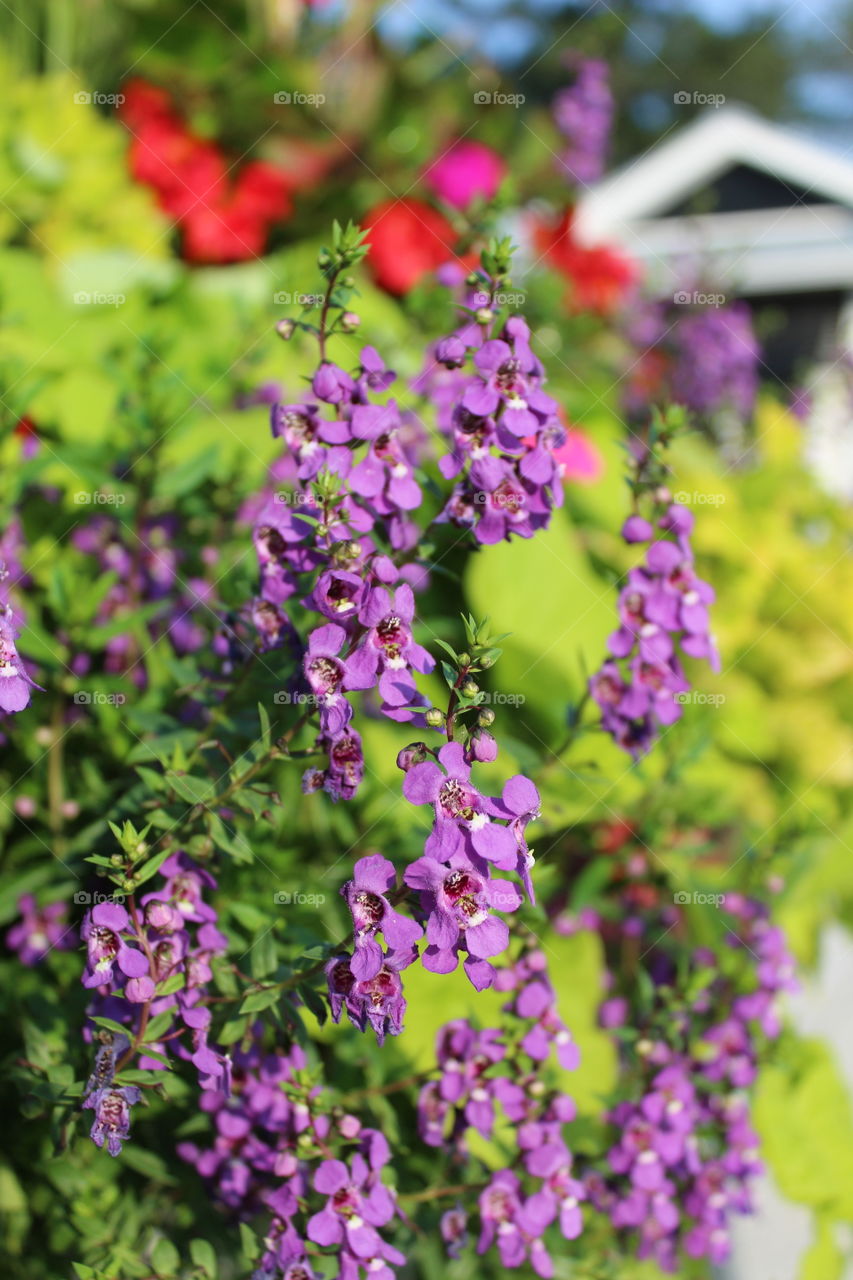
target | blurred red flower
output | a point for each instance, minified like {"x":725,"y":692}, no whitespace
{"x":223,"y":218}
{"x":600,"y":277}
{"x":408,"y":239}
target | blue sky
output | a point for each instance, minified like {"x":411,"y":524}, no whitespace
{"x":480,"y":24}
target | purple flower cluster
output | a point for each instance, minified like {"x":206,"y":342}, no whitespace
{"x":277,"y":1149}
{"x":481,"y":1070}
{"x":15,"y":681}
{"x":663,"y":607}
{"x":471,"y":835}
{"x":146,"y":567}
{"x":503,"y":428}
{"x":348,"y":445}
{"x":685,"y":1152}
{"x":704,"y":357}
{"x":583,"y":112}
{"x":156,"y":957}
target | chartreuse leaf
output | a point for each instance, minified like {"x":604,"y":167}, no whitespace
{"x":823,"y":1260}
{"x":803,"y":1116}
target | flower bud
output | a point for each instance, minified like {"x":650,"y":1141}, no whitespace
{"x":349,"y":1126}
{"x":434,"y":717}
{"x":414,"y":753}
{"x":470,"y":689}
{"x":450,"y":352}
{"x":486,"y":718}
{"x":464,"y":659}
{"x":350,"y":321}
{"x":482,"y":746}
{"x":636,"y":529}
{"x":484,"y":315}
{"x":285,"y":329}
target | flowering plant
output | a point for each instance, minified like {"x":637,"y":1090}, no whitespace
{"x":326,"y":706}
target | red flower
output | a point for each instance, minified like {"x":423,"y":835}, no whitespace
{"x":408,"y":240}
{"x":142,"y":103}
{"x":263,"y":189}
{"x":222,"y":220}
{"x":225,"y":231}
{"x":600,"y":277}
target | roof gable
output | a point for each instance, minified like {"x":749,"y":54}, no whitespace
{"x":730,"y":150}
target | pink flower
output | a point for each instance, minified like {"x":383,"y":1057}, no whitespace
{"x":467,"y":170}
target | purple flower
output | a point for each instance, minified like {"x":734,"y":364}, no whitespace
{"x":15,"y":681}
{"x":583,"y":113}
{"x":40,"y":930}
{"x":112,"y":1115}
{"x":357,"y":1204}
{"x":459,"y":902}
{"x":366,"y":894}
{"x":377,"y":1001}
{"x":459,"y":806}
{"x":388,"y":650}
{"x":102,"y":931}
{"x":327,"y":673}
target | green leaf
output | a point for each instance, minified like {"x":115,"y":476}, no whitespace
{"x":256,"y":1001}
{"x":203,"y":1255}
{"x":264,"y":955}
{"x":249,"y":1242}
{"x":193,"y":789}
{"x":109,"y":1025}
{"x":165,"y":1258}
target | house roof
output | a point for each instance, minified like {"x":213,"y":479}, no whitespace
{"x":762,"y":250}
